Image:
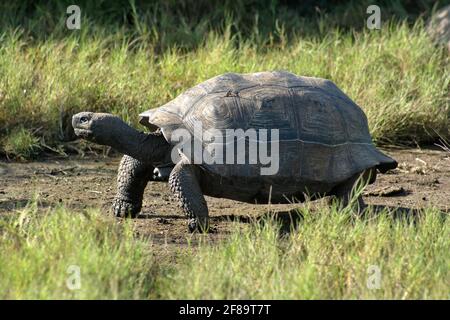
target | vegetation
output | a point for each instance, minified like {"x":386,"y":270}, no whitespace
{"x":42,"y":252}
{"x":129,"y":57}
{"x":331,"y":254}
{"x":21,"y":143}
{"x":132,"y":55}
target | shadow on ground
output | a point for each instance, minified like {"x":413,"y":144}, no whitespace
{"x":289,"y":220}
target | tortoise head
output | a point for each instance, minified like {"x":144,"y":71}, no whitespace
{"x":97,"y":127}
{"x":109,"y":130}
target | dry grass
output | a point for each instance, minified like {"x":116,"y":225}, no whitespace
{"x":395,"y":74}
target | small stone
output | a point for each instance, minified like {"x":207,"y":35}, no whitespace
{"x":387,"y":192}
{"x":163,"y":221}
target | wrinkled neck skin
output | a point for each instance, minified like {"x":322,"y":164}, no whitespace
{"x":146,"y":147}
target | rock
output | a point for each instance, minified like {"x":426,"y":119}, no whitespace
{"x":389,"y":191}
{"x":438,"y":27}
{"x":163,"y":221}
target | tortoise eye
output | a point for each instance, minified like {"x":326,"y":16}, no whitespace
{"x":84,"y":119}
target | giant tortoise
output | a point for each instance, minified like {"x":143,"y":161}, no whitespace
{"x":323,"y":144}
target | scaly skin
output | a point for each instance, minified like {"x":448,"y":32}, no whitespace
{"x":132,"y":178}
{"x":184,"y":182}
{"x":343,"y":192}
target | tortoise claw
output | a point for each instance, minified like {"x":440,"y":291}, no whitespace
{"x":200,"y":224}
{"x":125,"y":209}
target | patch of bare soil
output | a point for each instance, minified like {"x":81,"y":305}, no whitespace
{"x":422,"y":179}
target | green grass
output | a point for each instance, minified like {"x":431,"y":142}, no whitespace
{"x":39,"y":250}
{"x":21,"y":143}
{"x":329,"y":255}
{"x":127,"y":59}
{"x":130,"y":56}
{"x":395,"y":75}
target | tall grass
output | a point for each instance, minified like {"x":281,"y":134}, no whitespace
{"x":331,"y":254}
{"x":395,"y":75}
{"x":185,"y":23}
{"x":133,"y":55}
{"x":21,"y":143}
{"x":42,"y":254}
{"x":130,"y":56}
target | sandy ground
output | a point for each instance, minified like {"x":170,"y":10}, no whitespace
{"x":422,"y":179}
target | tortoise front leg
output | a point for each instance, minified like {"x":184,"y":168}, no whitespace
{"x":132,"y":178}
{"x":184,"y":182}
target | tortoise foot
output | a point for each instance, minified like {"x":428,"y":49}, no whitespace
{"x":125,"y":209}
{"x":200,"y":224}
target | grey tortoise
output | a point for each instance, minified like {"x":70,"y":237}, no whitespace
{"x":324,"y":144}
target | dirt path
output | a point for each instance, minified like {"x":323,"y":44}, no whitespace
{"x":422,"y":179}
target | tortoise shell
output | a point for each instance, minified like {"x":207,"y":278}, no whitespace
{"x":323,"y":135}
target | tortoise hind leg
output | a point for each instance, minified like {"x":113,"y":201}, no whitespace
{"x":132,"y":178}
{"x":346,"y":190}
{"x":184,"y":182}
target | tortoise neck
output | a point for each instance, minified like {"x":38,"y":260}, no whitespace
{"x":147,"y":147}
